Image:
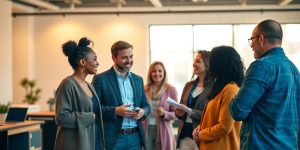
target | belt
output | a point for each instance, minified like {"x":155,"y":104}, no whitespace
{"x":128,"y":131}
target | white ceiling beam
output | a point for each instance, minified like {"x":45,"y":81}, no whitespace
{"x":284,"y":2}
{"x":191,"y":8}
{"x":17,"y":7}
{"x":258,"y":8}
{"x":42,"y":4}
{"x":156,"y":3}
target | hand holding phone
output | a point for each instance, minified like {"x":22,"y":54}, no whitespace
{"x":139,"y":113}
{"x":136,"y":109}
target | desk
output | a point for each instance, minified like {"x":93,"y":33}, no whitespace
{"x":18,"y":136}
{"x":46,"y":114}
{"x":48,"y":128}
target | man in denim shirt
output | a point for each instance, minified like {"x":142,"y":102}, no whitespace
{"x":268,"y":102}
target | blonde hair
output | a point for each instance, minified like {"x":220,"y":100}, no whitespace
{"x":164,"y":84}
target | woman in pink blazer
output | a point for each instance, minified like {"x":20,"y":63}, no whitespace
{"x":158,"y":125}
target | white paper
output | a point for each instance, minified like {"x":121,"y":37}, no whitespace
{"x":180,"y":106}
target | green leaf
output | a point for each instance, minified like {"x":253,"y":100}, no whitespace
{"x":4,"y":108}
{"x":32,"y":92}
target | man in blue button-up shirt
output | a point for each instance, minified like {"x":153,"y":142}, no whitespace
{"x":268,"y":102}
{"x":120,"y":92}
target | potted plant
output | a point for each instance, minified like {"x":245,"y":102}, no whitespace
{"x":32,"y":92}
{"x":51,"y":103}
{"x":3,"y":111}
{"x":32,"y":95}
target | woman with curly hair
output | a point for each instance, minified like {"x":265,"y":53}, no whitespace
{"x":217,"y":129}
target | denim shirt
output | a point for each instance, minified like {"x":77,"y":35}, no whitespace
{"x":268,"y":103}
{"x":127,"y":97}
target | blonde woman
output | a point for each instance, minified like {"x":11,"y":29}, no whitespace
{"x":159,"y":135}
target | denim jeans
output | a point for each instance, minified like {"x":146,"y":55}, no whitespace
{"x":128,"y":142}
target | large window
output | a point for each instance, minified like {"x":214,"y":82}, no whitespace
{"x":291,"y":42}
{"x":176,"y":52}
{"x":241,"y":35}
{"x":207,"y":37}
{"x":176,"y":45}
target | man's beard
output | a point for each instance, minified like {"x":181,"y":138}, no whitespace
{"x":123,"y":69}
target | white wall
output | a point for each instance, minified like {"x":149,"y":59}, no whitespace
{"x":50,"y":32}
{"x":5,"y":52}
{"x":23,"y":54}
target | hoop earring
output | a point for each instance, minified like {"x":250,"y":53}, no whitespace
{"x":83,"y":69}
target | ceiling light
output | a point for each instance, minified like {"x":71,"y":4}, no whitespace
{"x":119,"y":2}
{"x":196,"y":1}
{"x":73,"y":3}
{"x":156,"y":3}
{"x":284,"y":2}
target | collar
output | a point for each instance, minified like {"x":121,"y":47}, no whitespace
{"x":274,"y":51}
{"x":195,"y":84}
{"x":119,"y":74}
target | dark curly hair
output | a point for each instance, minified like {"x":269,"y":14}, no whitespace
{"x":225,"y":66}
{"x":76,"y":52}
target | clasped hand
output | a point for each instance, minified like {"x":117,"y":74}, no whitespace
{"x":125,"y":112}
{"x":160,"y":111}
{"x":196,"y":134}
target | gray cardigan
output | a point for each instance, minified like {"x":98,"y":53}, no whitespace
{"x":74,"y":117}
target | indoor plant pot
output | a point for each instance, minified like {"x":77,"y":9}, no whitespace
{"x":3,"y":111}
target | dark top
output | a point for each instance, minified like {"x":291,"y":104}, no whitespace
{"x":187,"y":129}
{"x":95,"y":104}
{"x":95,"y":110}
{"x":197,"y":104}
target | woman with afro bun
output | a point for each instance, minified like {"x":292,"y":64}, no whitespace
{"x":78,"y":112}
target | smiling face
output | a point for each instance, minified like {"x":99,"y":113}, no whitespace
{"x":199,"y":65}
{"x":124,"y":60}
{"x":157,"y":74}
{"x":90,"y":63}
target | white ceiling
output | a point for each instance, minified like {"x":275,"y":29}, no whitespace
{"x":37,"y":7}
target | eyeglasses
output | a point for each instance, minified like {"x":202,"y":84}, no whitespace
{"x":250,"y":40}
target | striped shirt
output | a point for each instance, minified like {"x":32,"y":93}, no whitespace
{"x":268,"y":103}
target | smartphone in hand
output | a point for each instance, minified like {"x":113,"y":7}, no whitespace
{"x":136,"y":109}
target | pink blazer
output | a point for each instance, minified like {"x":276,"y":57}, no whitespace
{"x":165,"y":124}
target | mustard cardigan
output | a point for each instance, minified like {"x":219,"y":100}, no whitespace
{"x":218,"y":129}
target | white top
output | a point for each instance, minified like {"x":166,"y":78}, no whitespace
{"x":197,"y":91}
{"x":153,"y":114}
